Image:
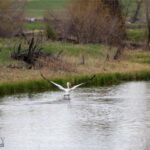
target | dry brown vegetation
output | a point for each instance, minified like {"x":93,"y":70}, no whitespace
{"x":86,"y":21}
{"x":130,"y":63}
{"x":96,"y":21}
{"x":56,"y":64}
{"x":11,"y":17}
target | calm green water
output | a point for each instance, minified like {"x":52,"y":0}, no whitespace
{"x":111,"y":118}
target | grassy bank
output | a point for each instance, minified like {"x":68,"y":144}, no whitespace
{"x":103,"y":79}
{"x":16,"y":78}
{"x":72,"y":56}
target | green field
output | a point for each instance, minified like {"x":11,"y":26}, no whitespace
{"x":34,"y":26}
{"x":137,"y":35}
{"x":37,"y":8}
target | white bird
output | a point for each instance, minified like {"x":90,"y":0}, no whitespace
{"x":68,"y":89}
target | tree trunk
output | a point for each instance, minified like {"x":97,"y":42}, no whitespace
{"x":119,"y":52}
{"x":147,"y":6}
{"x":135,"y":17}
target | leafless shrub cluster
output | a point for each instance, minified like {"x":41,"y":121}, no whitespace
{"x":28,"y":55}
{"x":57,"y":25}
{"x":89,"y":21}
{"x":96,"y":21}
{"x":30,"y":51}
{"x":11,"y":17}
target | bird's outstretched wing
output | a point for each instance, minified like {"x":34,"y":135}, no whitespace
{"x":51,"y":82}
{"x":76,"y":86}
{"x":45,"y":78}
{"x":59,"y":86}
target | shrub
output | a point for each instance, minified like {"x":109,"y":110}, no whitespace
{"x":50,"y":33}
{"x":11,"y":16}
{"x":96,"y":21}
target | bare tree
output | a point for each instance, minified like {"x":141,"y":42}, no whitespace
{"x":125,"y":7}
{"x":116,"y":27}
{"x":91,"y":21}
{"x":135,"y":16}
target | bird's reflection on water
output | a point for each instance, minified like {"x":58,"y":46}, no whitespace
{"x":110,"y":118}
{"x":59,"y":101}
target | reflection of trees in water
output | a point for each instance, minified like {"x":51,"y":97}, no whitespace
{"x":1,"y":113}
{"x":1,"y":100}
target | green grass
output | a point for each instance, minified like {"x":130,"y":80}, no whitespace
{"x":37,"y":8}
{"x":136,"y":35}
{"x":4,"y":56}
{"x":75,"y":49}
{"x":34,"y":26}
{"x":130,"y":7}
{"x":6,"y":47}
{"x":93,"y":51}
{"x":136,"y":25}
{"x":98,"y":51}
{"x":100,"y":80}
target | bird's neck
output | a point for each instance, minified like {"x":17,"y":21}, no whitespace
{"x":68,"y":86}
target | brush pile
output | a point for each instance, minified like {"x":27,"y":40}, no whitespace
{"x":30,"y":54}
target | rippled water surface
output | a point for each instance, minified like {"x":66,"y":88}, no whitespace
{"x":110,"y":118}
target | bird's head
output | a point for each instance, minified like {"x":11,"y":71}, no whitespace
{"x":68,"y":85}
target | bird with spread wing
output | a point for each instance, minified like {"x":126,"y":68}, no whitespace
{"x":68,"y":89}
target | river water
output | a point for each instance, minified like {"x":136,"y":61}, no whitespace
{"x":108,"y":118}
